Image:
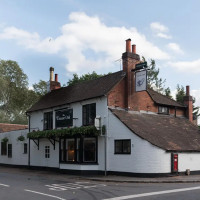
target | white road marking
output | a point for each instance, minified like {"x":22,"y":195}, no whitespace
{"x":4,"y":185}
{"x":45,"y":194}
{"x":153,"y":193}
{"x":72,"y":186}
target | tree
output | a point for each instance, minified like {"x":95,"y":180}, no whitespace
{"x":153,"y":80}
{"x":86,"y":77}
{"x":180,"y":98}
{"x":196,"y":110}
{"x":167,"y":93}
{"x":15,"y":96}
{"x":40,"y":88}
{"x":180,"y":94}
{"x":14,"y":84}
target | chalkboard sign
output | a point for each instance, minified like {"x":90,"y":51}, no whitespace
{"x":64,"y":118}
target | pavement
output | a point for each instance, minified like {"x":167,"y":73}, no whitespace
{"x":110,"y":178}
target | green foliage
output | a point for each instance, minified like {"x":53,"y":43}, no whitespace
{"x":196,"y":110}
{"x":21,"y":138}
{"x":4,"y":140}
{"x":13,"y":92}
{"x":40,"y":88}
{"x":86,"y":77}
{"x":153,"y":80}
{"x":15,"y":96}
{"x":180,"y":98}
{"x":56,"y":133}
{"x":180,"y":94}
{"x":167,"y":92}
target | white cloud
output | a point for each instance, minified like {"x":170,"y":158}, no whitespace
{"x":160,"y":30}
{"x":158,"y":27}
{"x":187,"y":66}
{"x":196,"y":94}
{"x":175,"y":47}
{"x":163,"y":35}
{"x":84,"y":33}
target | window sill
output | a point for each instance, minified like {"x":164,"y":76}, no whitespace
{"x":76,"y":163}
{"x":122,"y":153}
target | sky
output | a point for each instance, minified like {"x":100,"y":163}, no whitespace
{"x":77,"y":36}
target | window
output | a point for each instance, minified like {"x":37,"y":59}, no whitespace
{"x":47,"y":151}
{"x":48,"y":121}
{"x":163,"y":110}
{"x":3,"y":148}
{"x":25,"y":148}
{"x":89,"y":150}
{"x":9,"y":150}
{"x":122,"y":146}
{"x":78,"y":150}
{"x":89,"y":114}
{"x":64,"y":118}
{"x":70,"y":150}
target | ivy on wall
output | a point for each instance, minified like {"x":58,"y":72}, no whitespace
{"x":75,"y":131}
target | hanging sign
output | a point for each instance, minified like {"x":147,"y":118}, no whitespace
{"x":64,"y":118}
{"x":140,"y":80}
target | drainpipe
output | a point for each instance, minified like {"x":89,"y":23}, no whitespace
{"x":106,"y":142}
{"x":29,"y":129}
{"x":29,"y":152}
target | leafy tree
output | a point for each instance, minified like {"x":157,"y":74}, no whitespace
{"x":196,"y":110}
{"x":15,"y":96}
{"x":14,"y":84}
{"x":153,"y":80}
{"x":40,"y":88}
{"x":180,"y":94}
{"x":86,"y":77}
{"x":180,"y":98}
{"x":167,"y":92}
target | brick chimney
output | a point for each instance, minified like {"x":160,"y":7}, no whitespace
{"x":188,"y":102}
{"x":53,"y":84}
{"x":130,"y":59}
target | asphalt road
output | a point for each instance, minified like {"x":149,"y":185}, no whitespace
{"x":31,"y":185}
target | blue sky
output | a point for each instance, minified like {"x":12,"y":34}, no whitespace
{"x":85,"y":36}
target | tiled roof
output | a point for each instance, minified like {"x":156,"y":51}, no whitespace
{"x":162,"y":99}
{"x":11,"y":127}
{"x":78,"y":92}
{"x":168,"y":133}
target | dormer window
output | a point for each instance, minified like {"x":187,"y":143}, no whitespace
{"x":163,"y":110}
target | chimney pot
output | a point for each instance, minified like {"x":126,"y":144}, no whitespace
{"x":56,"y":77}
{"x":187,"y":90}
{"x":51,"y":73}
{"x":128,"y":45}
{"x":134,"y":48}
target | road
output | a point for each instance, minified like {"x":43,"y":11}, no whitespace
{"x":18,"y":184}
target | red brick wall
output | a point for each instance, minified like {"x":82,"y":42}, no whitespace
{"x":179,"y":111}
{"x":116,"y":96}
{"x":142,"y":101}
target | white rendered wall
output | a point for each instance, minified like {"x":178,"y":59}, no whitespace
{"x":144,"y":157}
{"x":36,"y":118}
{"x":188,"y":161}
{"x":18,"y":156}
{"x":37,"y":157}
